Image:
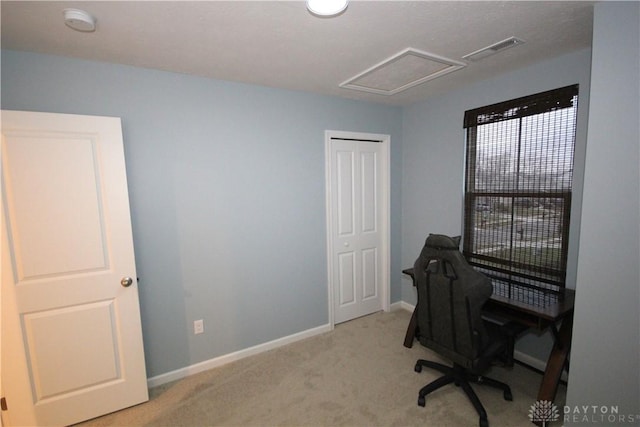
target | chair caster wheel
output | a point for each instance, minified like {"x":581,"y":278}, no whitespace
{"x":417,"y":368}
{"x":484,"y":422}
{"x":421,"y":401}
{"x":508,"y":396}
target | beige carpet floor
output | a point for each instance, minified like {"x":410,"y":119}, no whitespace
{"x":360,"y":374}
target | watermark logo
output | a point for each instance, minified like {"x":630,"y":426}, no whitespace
{"x":543,"y":411}
{"x":599,"y":414}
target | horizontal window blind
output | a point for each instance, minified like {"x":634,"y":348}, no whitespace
{"x":518,"y":184}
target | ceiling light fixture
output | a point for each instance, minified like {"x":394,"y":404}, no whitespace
{"x":79,"y":20}
{"x":327,"y":7}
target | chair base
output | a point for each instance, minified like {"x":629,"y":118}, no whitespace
{"x":461,"y":377}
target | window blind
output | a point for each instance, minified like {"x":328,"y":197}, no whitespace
{"x":518,"y":185}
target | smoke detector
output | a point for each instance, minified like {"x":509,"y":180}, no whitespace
{"x":79,"y":20}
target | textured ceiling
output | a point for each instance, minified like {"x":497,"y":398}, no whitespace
{"x":280,"y":44}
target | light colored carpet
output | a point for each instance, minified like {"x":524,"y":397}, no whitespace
{"x":360,"y":374}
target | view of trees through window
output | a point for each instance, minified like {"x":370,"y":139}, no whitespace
{"x":518,"y":194}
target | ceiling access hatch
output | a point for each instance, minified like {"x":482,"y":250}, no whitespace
{"x":401,"y":71}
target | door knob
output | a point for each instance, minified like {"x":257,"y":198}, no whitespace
{"x":126,"y":281}
{"x":346,"y":244}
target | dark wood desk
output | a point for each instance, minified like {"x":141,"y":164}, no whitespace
{"x":530,"y":316}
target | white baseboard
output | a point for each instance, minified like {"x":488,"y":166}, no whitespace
{"x":406,"y":306}
{"x":241,"y":354}
{"x":260,"y":348}
{"x":534,"y":363}
{"x":401,"y":305}
{"x":232,"y":357}
{"x":529,"y":360}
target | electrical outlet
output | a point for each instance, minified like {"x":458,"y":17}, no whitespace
{"x":198,"y":327}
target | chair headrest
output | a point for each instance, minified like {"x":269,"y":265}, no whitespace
{"x":442,"y":242}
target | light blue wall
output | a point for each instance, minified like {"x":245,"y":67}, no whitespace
{"x":605,"y":362}
{"x":227,"y":193}
{"x":433,"y":160}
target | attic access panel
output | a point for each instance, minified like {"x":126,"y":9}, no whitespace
{"x":402,"y":71}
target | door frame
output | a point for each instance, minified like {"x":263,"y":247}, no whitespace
{"x":385,"y":140}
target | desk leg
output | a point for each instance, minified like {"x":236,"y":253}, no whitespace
{"x":411,"y":330}
{"x":557,"y":361}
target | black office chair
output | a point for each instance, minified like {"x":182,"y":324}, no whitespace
{"x":450,"y":297}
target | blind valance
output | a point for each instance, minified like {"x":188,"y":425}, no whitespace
{"x":543,"y":102}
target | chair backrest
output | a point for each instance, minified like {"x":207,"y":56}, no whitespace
{"x":450,"y":298}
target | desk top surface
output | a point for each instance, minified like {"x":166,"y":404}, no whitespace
{"x":527,"y":313}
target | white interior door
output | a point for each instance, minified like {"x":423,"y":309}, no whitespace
{"x":72,"y":339}
{"x":358,"y":212}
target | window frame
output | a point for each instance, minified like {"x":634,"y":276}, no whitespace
{"x":509,"y":271}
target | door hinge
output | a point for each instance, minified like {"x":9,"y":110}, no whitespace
{"x":3,"y":404}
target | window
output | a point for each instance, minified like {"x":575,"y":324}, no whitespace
{"x":518,"y":184}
